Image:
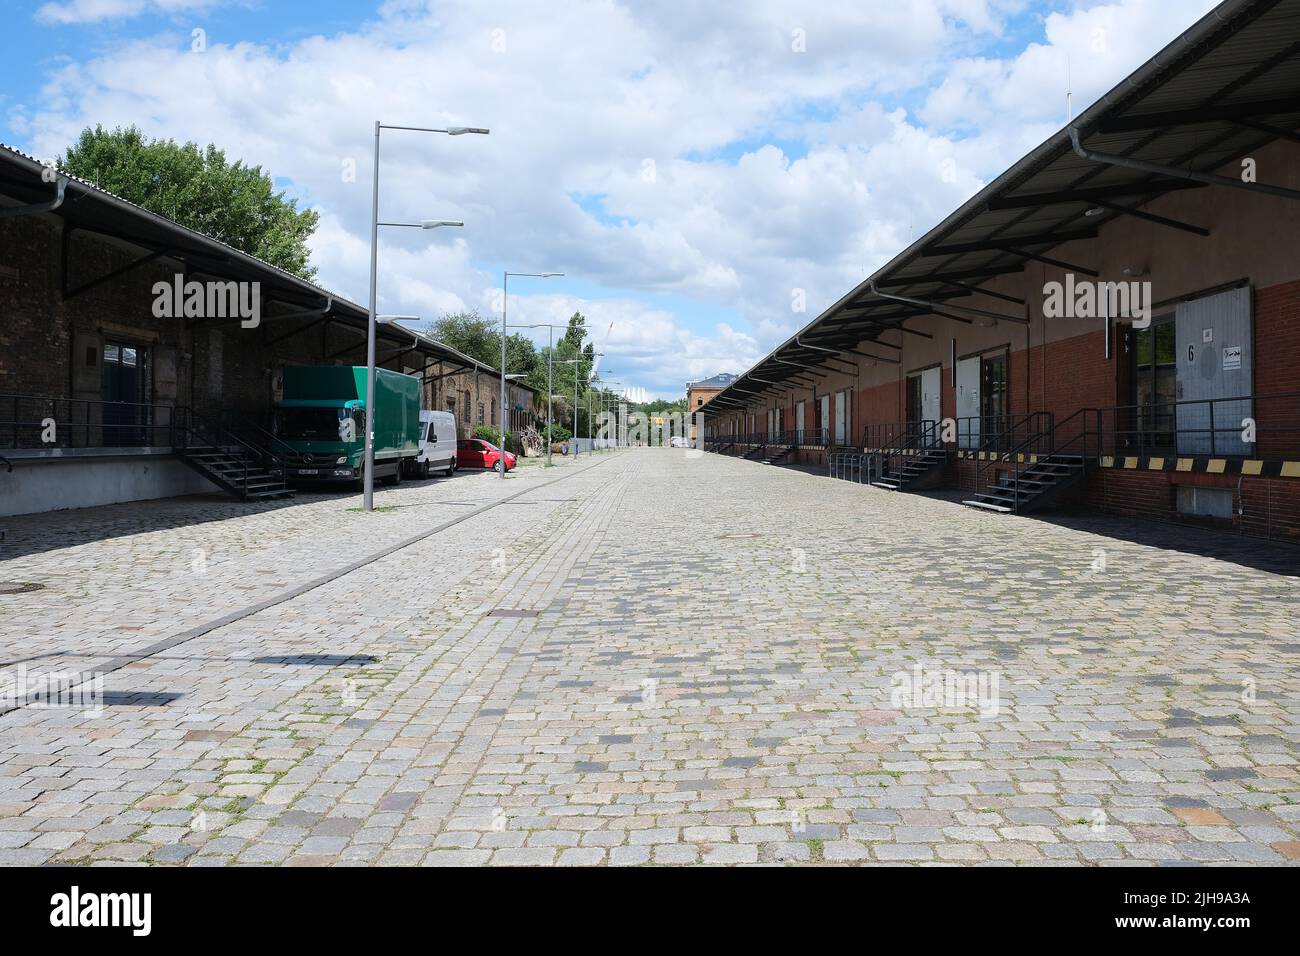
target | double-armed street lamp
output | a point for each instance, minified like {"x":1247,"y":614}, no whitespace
{"x":368,"y":468}
{"x":607,"y":400}
{"x":577,"y":362}
{"x":550,"y":353}
{"x":505,"y":300}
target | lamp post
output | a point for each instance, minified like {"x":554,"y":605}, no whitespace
{"x":550,"y":351}
{"x":609,"y":400}
{"x":576,"y":362}
{"x":368,"y":467}
{"x":505,"y":300}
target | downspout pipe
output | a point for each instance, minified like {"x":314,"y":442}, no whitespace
{"x":871,"y":286}
{"x":810,"y":369}
{"x":1139,"y":165}
{"x":37,"y":208}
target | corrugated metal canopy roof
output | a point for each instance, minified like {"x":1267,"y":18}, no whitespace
{"x":96,"y":210}
{"x":1226,"y":86}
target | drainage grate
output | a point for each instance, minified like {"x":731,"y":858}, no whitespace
{"x":319,"y":660}
{"x":19,"y":587}
{"x":513,"y":612}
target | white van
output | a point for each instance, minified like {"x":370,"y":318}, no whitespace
{"x":437,"y":444}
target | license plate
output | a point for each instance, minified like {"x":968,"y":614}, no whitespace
{"x":308,"y":471}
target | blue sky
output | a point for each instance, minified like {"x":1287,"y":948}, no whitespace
{"x":689,"y":168}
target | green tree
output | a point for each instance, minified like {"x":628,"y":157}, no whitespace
{"x":480,"y":338}
{"x":199,"y":189}
{"x":573,"y":344}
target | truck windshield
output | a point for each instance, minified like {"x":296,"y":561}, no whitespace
{"x":320,"y":424}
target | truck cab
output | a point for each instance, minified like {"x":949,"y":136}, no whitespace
{"x":321,"y":421}
{"x":328,"y":437}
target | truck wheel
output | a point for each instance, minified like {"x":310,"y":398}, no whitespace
{"x":424,"y":470}
{"x":395,"y":478}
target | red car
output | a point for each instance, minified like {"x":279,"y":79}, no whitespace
{"x":477,"y":453}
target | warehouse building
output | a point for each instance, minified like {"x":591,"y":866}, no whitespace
{"x":107,"y":389}
{"x":1113,"y":323}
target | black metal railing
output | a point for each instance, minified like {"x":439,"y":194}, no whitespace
{"x":1015,"y":443}
{"x":894,"y":437}
{"x":1253,"y":426}
{"x":196,"y":432}
{"x":34,"y":421}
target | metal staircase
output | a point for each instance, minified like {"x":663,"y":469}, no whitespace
{"x":1034,"y":486}
{"x":780,"y":447}
{"x":1045,"y":463}
{"x":231,"y":462}
{"x":777,"y":455}
{"x":915,"y":454}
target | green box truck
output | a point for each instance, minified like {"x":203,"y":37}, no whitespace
{"x":322,"y":419}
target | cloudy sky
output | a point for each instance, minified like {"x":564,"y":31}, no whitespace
{"x":708,"y":175}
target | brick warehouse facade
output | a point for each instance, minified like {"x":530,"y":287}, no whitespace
{"x":969,"y":318}
{"x":697,"y":393}
{"x":76,"y":292}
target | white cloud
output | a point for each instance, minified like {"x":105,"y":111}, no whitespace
{"x":641,"y":105}
{"x":96,"y":11}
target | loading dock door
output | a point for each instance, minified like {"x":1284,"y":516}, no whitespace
{"x":841,"y":416}
{"x":930,"y":383}
{"x":1215,"y":360}
{"x":968,"y":401}
{"x":826,"y":412}
{"x":798,"y":420}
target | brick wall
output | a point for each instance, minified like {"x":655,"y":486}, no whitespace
{"x":48,"y":343}
{"x":1277,"y":369}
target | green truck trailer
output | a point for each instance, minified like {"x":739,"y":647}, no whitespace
{"x":321,"y":421}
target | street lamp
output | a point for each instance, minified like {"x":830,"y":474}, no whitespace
{"x":505,"y":300}
{"x":368,"y":468}
{"x":607,"y":398}
{"x":550,"y":354}
{"x":576,"y":362}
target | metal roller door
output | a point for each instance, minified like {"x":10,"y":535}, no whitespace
{"x":1215,"y":361}
{"x":968,"y":401}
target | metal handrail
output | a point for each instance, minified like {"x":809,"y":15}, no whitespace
{"x":67,"y":426}
{"x":217,"y":436}
{"x":1040,"y":432}
{"x":901,"y":439}
{"x":263,"y":433}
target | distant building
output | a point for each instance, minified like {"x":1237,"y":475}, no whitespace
{"x":697,"y":393}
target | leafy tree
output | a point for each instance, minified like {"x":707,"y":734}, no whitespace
{"x":480,"y":338}
{"x":489,"y":435}
{"x":199,"y":189}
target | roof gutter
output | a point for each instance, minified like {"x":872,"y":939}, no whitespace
{"x":36,"y":208}
{"x":938,"y":309}
{"x":1142,"y":166}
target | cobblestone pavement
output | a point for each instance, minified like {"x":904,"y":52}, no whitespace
{"x":648,"y":658}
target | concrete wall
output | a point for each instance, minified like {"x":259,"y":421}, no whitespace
{"x":36,"y":486}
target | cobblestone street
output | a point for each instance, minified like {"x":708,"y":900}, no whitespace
{"x":646,"y":657}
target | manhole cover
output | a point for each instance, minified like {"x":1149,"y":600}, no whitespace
{"x":19,"y":587}
{"x":513,"y":612}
